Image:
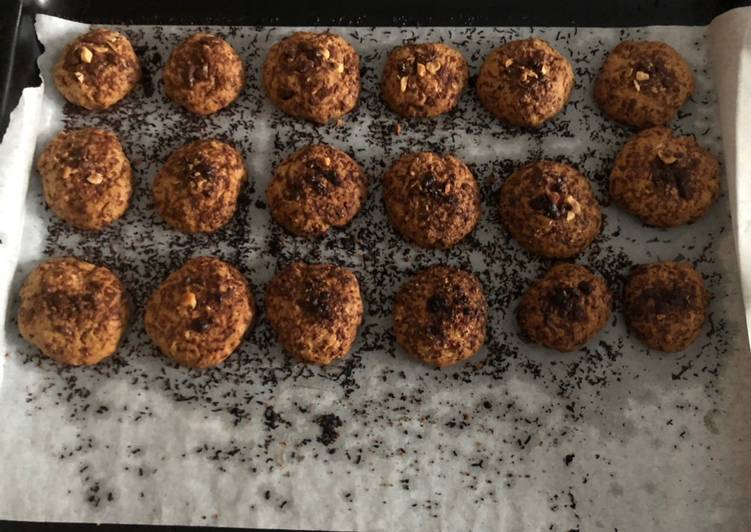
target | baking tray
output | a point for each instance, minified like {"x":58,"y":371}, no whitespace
{"x":20,"y":48}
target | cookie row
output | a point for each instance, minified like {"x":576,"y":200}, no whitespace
{"x":432,"y":200}
{"x":316,"y":76}
{"x":77,"y":313}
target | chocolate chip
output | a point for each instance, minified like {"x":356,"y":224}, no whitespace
{"x":200,"y":325}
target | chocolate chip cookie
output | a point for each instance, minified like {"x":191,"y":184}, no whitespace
{"x":665,"y":304}
{"x":643,"y":83}
{"x":86,"y":177}
{"x":565,"y":308}
{"x":432,"y":200}
{"x":199,"y":315}
{"x":665,"y":180}
{"x":73,"y":311}
{"x":549,"y":208}
{"x":315,"y":310}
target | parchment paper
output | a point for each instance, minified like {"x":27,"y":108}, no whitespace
{"x":612,"y":437}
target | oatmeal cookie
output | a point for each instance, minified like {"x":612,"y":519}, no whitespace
{"x":86,"y":177}
{"x":315,"y":76}
{"x":204,"y":74}
{"x":664,"y":179}
{"x":565,"y":308}
{"x":643,"y":84}
{"x":196,"y":190}
{"x":315,"y":310}
{"x":97,"y":69}
{"x":440,"y":316}
{"x":549,"y":208}
{"x":424,"y":80}
{"x":432,"y":200}
{"x":199,"y":315}
{"x":665,"y":304}
{"x":315,"y":189}
{"x":525,"y":82}
{"x":73,"y":311}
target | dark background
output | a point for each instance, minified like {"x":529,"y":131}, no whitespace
{"x":19,"y":50}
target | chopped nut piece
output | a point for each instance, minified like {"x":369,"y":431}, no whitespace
{"x":544,"y":69}
{"x":667,"y":158}
{"x":326,"y":161}
{"x":576,"y":207}
{"x":340,"y":68}
{"x":79,"y":76}
{"x":86,"y":55}
{"x":325,"y":53}
{"x":403,"y":84}
{"x":420,"y":69}
{"x":641,"y":76}
{"x":189,"y":300}
{"x":637,"y":86}
{"x":433,"y":66}
{"x":508,"y":63}
{"x":570,"y":216}
{"x":95,"y":179}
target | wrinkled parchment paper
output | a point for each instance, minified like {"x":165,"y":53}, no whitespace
{"x":612,"y":437}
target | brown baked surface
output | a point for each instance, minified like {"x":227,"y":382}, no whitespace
{"x":663,"y":179}
{"x":97,"y":69}
{"x":665,"y":304}
{"x":315,"y":76}
{"x":316,"y":188}
{"x":440,"y":315}
{"x":204,"y":74}
{"x":424,"y":80}
{"x":525,"y":82}
{"x":199,"y":315}
{"x":432,"y":200}
{"x":73,"y":311}
{"x":549,"y":208}
{"x":86,"y":177}
{"x":196,"y":190}
{"x":315,"y":310}
{"x":565,"y":308}
{"x":643,"y":83}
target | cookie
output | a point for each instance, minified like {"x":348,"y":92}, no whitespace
{"x":565,"y":308}
{"x":665,"y":304}
{"x":432,"y":200}
{"x":440,"y":315}
{"x":86,"y":177}
{"x":315,"y":310}
{"x":73,"y":311}
{"x":643,"y":84}
{"x":549,"y":208}
{"x":315,"y":76}
{"x":525,"y":82}
{"x":424,"y":80}
{"x":199,"y":315}
{"x":204,"y":74}
{"x":97,"y":69}
{"x":663,"y":179}
{"x":196,"y":190}
{"x":316,"y":188}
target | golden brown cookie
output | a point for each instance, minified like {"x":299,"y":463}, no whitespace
{"x":565,"y":308}
{"x":643,"y":84}
{"x":199,"y":315}
{"x":196,"y":190}
{"x":549,"y":208}
{"x":315,"y":76}
{"x":73,"y":311}
{"x":424,"y":80}
{"x":204,"y":74}
{"x":316,"y":188}
{"x":86,"y":177}
{"x":665,"y":304}
{"x":525,"y":82}
{"x":432,"y":200}
{"x":440,"y":315}
{"x":315,"y":310}
{"x":97,"y":69}
{"x":663,"y":179}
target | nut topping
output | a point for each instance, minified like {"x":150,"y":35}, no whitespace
{"x":667,"y":158}
{"x":403,"y":84}
{"x":189,"y":300}
{"x":641,"y":76}
{"x":433,"y":66}
{"x":95,"y":179}
{"x":420,"y":69}
{"x":86,"y":55}
{"x":79,"y":76}
{"x":637,"y":86}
